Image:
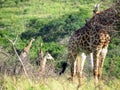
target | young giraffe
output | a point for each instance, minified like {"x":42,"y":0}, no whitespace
{"x":92,"y":38}
{"x":43,"y":59}
{"x":24,"y":58}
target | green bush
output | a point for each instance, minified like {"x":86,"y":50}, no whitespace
{"x":55,"y":30}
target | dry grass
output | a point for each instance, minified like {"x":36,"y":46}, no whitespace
{"x":56,"y":83}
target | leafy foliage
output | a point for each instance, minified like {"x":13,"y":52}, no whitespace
{"x":56,"y":29}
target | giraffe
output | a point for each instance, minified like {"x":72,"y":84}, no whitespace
{"x":43,"y":58}
{"x":90,"y":56}
{"x":24,"y":57}
{"x":92,"y":39}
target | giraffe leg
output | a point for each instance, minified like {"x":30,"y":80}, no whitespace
{"x":73,"y":70}
{"x":72,"y":59}
{"x":80,"y":64}
{"x":96,"y":55}
{"x":102,"y":58}
{"x":90,"y":64}
{"x":90,"y":61}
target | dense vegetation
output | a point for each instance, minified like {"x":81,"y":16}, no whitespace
{"x":50,"y":22}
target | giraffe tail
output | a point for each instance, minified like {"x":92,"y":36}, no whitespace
{"x":64,"y":66}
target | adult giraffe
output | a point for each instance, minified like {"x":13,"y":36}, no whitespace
{"x":92,"y":38}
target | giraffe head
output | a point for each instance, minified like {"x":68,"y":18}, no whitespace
{"x":96,"y":7}
{"x":48,"y":56}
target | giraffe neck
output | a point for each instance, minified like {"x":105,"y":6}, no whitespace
{"x":28,"y":46}
{"x":43,"y":63}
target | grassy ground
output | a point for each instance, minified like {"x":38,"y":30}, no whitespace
{"x":56,"y":83}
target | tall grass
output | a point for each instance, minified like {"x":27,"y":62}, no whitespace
{"x":56,"y":83}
